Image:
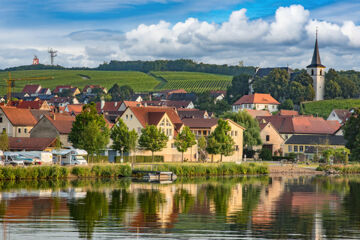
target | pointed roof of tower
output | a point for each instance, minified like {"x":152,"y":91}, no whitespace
{"x":316,"y":62}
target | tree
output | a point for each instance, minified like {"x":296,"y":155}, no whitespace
{"x":89,"y":131}
{"x":184,"y":140}
{"x":121,"y":93}
{"x":332,"y":89}
{"x":123,"y":139}
{"x":352,"y":134}
{"x":152,"y":139}
{"x":206,"y":101}
{"x":219,"y":141}
{"x":287,"y":105}
{"x":202,"y":147}
{"x":265,"y":154}
{"x":4,"y":141}
{"x":276,"y":83}
{"x":252,"y":129}
{"x":239,"y":87}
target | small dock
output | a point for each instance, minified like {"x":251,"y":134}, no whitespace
{"x":152,"y":176}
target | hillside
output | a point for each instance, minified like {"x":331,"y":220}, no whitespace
{"x":324,"y":108}
{"x":192,"y":81}
{"x":137,"y":80}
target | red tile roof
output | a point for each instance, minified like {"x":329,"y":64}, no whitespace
{"x":301,"y":124}
{"x":31,"y":89}
{"x":258,"y":113}
{"x":200,"y":122}
{"x":58,"y":88}
{"x":283,"y":112}
{"x":19,"y":116}
{"x":76,"y":108}
{"x":31,"y":104}
{"x":30,"y":144}
{"x":257,"y":98}
{"x":108,"y":106}
{"x":132,"y":104}
{"x":62,"y":122}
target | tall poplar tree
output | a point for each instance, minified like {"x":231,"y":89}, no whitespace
{"x":184,"y":140}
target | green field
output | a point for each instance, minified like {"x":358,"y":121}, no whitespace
{"x":193,"y":81}
{"x":137,"y":80}
{"x":324,"y":108}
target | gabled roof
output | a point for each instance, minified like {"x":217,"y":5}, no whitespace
{"x":301,"y":124}
{"x":152,"y":115}
{"x":19,"y":116}
{"x":132,"y":104}
{"x":58,"y":88}
{"x":200,"y":122}
{"x":62,"y":122}
{"x":31,"y":104}
{"x":30,"y":144}
{"x":342,"y":114}
{"x":258,"y":113}
{"x":316,"y":139}
{"x":191,"y":113}
{"x":283,"y":112}
{"x":75,"y":108}
{"x":44,"y":90}
{"x":257,"y":98}
{"x":108,"y":106}
{"x":31,"y":89}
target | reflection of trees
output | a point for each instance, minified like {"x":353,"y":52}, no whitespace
{"x":183,"y":199}
{"x":352,"y":202}
{"x":87,"y":211}
{"x":121,"y":201}
{"x":150,"y":202}
{"x":220,"y":194}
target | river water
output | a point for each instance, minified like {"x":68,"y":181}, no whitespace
{"x":215,"y":208}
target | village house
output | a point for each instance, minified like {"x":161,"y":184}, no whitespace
{"x":57,"y":124}
{"x":256,"y":101}
{"x":39,"y":105}
{"x":204,"y":127}
{"x":91,"y":89}
{"x":271,"y":139}
{"x":193,"y":113}
{"x":170,"y":103}
{"x":340,"y":115}
{"x":167,"y":120}
{"x":218,"y":95}
{"x":31,"y":144}
{"x":258,"y":113}
{"x":16,"y":122}
{"x":164,"y":94}
{"x":72,"y":91}
{"x":300,"y":125}
{"x":284,"y":112}
{"x":310,"y":145}
{"x":74,"y":109}
{"x":126,"y":104}
{"x":32,"y":90}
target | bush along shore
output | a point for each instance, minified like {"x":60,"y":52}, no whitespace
{"x":341,"y":169}
{"x":193,"y":170}
{"x":58,"y":172}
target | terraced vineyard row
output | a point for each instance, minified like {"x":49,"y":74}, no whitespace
{"x":196,"y":82}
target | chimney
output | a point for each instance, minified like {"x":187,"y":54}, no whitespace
{"x":116,"y":104}
{"x":102,"y":103}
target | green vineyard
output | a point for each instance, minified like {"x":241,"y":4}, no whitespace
{"x":194,"y":81}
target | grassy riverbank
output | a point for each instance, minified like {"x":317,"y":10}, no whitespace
{"x":58,"y":172}
{"x":207,"y":169}
{"x":343,"y":169}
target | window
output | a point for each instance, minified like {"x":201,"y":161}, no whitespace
{"x":312,"y":72}
{"x":320,"y":72}
{"x":1,"y":119}
{"x":199,"y":132}
{"x":127,"y":116}
{"x":235,"y":133}
{"x":204,"y":132}
{"x":25,"y":130}
{"x":4,"y":130}
{"x":301,"y":148}
{"x":295,"y":148}
{"x":19,"y":130}
{"x":232,"y":133}
{"x":267,"y":138}
{"x":236,"y":148}
{"x":290,"y":148}
{"x":131,"y":116}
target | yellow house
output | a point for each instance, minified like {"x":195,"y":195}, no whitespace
{"x":309,"y":145}
{"x":270,"y":137}
{"x":16,"y":122}
{"x":167,"y":120}
{"x":203,"y":127}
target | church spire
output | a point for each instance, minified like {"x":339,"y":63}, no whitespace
{"x":316,"y":62}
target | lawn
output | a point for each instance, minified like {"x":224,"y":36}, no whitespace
{"x":137,"y":80}
{"x":193,"y":81}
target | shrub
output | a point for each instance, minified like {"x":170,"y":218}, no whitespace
{"x":265,"y":154}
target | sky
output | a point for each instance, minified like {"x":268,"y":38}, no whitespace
{"x":262,"y":33}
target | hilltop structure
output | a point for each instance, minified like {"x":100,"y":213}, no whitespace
{"x":317,"y":71}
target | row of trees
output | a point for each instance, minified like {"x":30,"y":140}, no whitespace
{"x":91,"y":133}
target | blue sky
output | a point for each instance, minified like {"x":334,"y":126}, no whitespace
{"x":259,"y":32}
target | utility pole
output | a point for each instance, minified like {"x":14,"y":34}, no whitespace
{"x":52,"y":55}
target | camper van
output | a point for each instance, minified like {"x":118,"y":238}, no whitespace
{"x":70,"y":156}
{"x":28,"y":158}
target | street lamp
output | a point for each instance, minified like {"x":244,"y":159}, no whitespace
{"x":122,"y":154}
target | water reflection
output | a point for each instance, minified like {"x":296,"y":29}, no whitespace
{"x":254,"y":207}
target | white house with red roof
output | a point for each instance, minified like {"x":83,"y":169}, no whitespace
{"x":256,"y":101}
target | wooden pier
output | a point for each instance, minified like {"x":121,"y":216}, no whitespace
{"x":155,"y":175}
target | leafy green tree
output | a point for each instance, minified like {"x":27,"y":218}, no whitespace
{"x":287,"y":105}
{"x":89,"y":130}
{"x":252,"y":129}
{"x":202,"y":148}
{"x":332,"y":89}
{"x":219,"y":141}
{"x":276,"y":83}
{"x":206,"y":101}
{"x":184,"y":140}
{"x":4,"y":141}
{"x":239,"y":87}
{"x":123,"y":139}
{"x":303,"y":78}
{"x":152,"y":139}
{"x":352,"y":135}
{"x":121,"y":93}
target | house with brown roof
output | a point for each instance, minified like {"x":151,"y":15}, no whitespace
{"x":170,"y":103}
{"x":284,"y":112}
{"x":32,"y":89}
{"x":256,"y":101}
{"x":258,"y":113}
{"x":31,"y":144}
{"x":203,"y":128}
{"x":74,"y":108}
{"x":271,"y":138}
{"x":57,"y":124}
{"x":340,"y":115}
{"x":39,"y":105}
{"x":17,"y":122}
{"x":167,"y":120}
{"x":301,"y":125}
{"x":193,"y":113}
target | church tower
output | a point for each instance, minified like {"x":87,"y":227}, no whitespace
{"x":317,"y":71}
